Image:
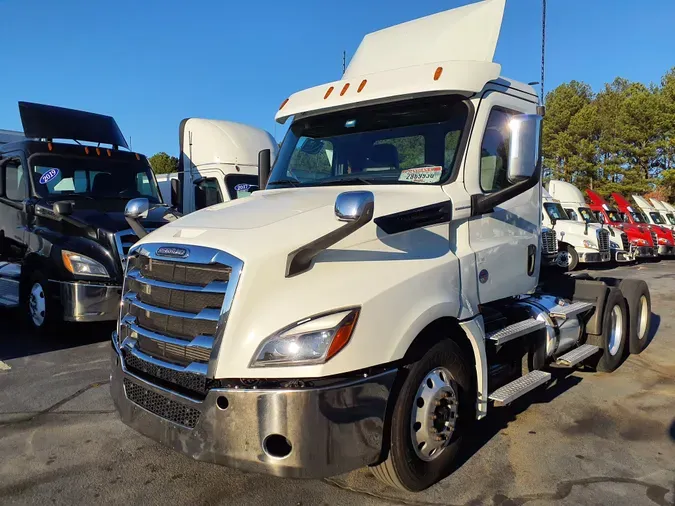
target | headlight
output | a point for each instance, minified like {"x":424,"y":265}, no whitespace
{"x":614,"y":245}
{"x":663,"y":240}
{"x":309,"y":341}
{"x":589,"y":244}
{"x":639,"y":242}
{"x":82,"y":265}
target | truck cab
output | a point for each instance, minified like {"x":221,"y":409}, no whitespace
{"x":578,"y":243}
{"x":643,"y":242}
{"x":382,"y":292}
{"x":647,"y":216}
{"x":218,"y":163}
{"x":63,"y":234}
{"x":573,"y":203}
{"x":665,"y":212}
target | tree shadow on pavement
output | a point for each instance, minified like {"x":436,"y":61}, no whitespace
{"x":499,"y":418}
{"x":18,"y":340}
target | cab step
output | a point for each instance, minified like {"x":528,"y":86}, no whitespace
{"x":10,"y":275}
{"x":515,"y":330}
{"x":562,"y":312}
{"x":511,"y":391}
{"x":572,"y":358}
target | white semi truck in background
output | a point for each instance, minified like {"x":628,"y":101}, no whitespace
{"x":218,"y":162}
{"x":382,"y":293}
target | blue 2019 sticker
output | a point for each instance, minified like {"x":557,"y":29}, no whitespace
{"x":49,"y":175}
{"x":242,"y":187}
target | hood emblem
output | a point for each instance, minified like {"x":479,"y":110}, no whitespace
{"x":172,"y":251}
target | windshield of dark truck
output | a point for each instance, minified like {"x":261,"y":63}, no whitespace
{"x":410,"y":142}
{"x":97,"y":178}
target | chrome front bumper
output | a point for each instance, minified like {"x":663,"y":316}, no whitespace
{"x":331,"y":430}
{"x":622,"y":256}
{"x":644,"y":252}
{"x":84,"y":302}
{"x":666,"y":251}
{"x":596,"y":256}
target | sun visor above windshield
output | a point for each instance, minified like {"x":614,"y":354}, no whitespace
{"x":51,"y":122}
{"x":467,"y":33}
{"x":642,"y":203}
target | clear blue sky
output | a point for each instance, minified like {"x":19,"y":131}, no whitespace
{"x":151,"y":63}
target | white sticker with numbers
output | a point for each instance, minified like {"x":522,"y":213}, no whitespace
{"x":427,"y":174}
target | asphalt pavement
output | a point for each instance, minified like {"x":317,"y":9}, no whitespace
{"x":587,"y":439}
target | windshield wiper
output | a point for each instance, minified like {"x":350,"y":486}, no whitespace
{"x":289,"y":182}
{"x":344,"y":180}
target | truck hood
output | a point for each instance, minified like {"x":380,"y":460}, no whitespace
{"x":259,"y":225}
{"x":573,"y":232}
{"x":115,"y":221}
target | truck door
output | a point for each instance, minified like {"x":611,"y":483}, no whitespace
{"x":13,"y":219}
{"x":506,"y":241}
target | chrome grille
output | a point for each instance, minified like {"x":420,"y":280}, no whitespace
{"x":603,"y":240}
{"x":160,"y":405}
{"x":549,"y":244}
{"x":655,"y":239}
{"x":124,"y":240}
{"x":173,"y":311}
{"x":624,"y":241}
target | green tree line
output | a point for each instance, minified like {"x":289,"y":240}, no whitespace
{"x":621,"y":138}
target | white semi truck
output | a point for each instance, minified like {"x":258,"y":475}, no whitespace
{"x":578,"y":242}
{"x":218,"y":163}
{"x":383,"y":291}
{"x":664,"y":209}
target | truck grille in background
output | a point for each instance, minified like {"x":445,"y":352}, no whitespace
{"x":603,"y":240}
{"x":624,"y":241}
{"x":171,"y":314}
{"x":160,"y":405}
{"x":549,"y":244}
{"x":124,"y":240}
{"x":655,"y":239}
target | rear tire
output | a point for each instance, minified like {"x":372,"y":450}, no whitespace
{"x":638,"y":300}
{"x":612,"y":341}
{"x":428,"y":422}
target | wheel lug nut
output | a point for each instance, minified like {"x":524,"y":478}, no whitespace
{"x":433,"y":417}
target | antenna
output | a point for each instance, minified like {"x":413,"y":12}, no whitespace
{"x":344,"y":62}
{"x":130,"y":145}
{"x":543,"y":47}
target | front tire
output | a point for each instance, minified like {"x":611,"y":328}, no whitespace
{"x":36,"y":302}
{"x":435,"y":406}
{"x":568,"y":258}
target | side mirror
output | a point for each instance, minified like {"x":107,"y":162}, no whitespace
{"x":524,"y":146}
{"x":63,"y":208}
{"x":264,"y":165}
{"x":176,"y":193}
{"x":137,"y":208}
{"x":354,"y":206}
{"x":554,"y":221}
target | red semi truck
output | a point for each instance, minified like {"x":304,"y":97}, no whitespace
{"x":643,"y":242}
{"x":665,"y":240}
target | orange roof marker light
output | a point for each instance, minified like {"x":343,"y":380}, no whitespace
{"x":344,"y":89}
{"x":437,"y":74}
{"x":98,"y":151}
{"x":138,"y":156}
{"x":283,"y":103}
{"x":86,"y":150}
{"x":109,"y":152}
{"x":328,"y":92}
{"x":361,"y":86}
{"x":49,"y":146}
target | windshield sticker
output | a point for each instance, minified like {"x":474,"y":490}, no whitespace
{"x":243,"y":187}
{"x":428,"y":174}
{"x":49,"y":175}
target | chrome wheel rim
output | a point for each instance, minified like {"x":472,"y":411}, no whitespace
{"x":434,"y":414}
{"x":37,"y":305}
{"x":643,"y":318}
{"x":563,"y":259}
{"x":616,"y":331}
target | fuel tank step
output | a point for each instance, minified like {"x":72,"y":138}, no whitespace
{"x":563,"y":312}
{"x":10,"y":275}
{"x":515,"y":330}
{"x":572,"y":358}
{"x":511,"y":391}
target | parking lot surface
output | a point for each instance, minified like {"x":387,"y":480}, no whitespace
{"x":588,"y":439}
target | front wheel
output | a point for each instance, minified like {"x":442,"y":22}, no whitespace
{"x":568,"y":258}
{"x":432,"y":412}
{"x":37,"y":306}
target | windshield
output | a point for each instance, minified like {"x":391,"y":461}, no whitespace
{"x":96,"y":178}
{"x":639,"y":217}
{"x":671,"y":218}
{"x":587,"y":215}
{"x":413,"y":142}
{"x":614,"y":216}
{"x":657,"y":218}
{"x":555,"y":211}
{"x":572,"y":214}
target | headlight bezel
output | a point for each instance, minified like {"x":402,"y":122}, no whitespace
{"x":71,"y":259}
{"x":344,"y":322}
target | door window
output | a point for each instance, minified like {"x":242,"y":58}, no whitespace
{"x":207,"y":193}
{"x":240,"y":185}
{"x":495,"y":151}
{"x":15,"y":181}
